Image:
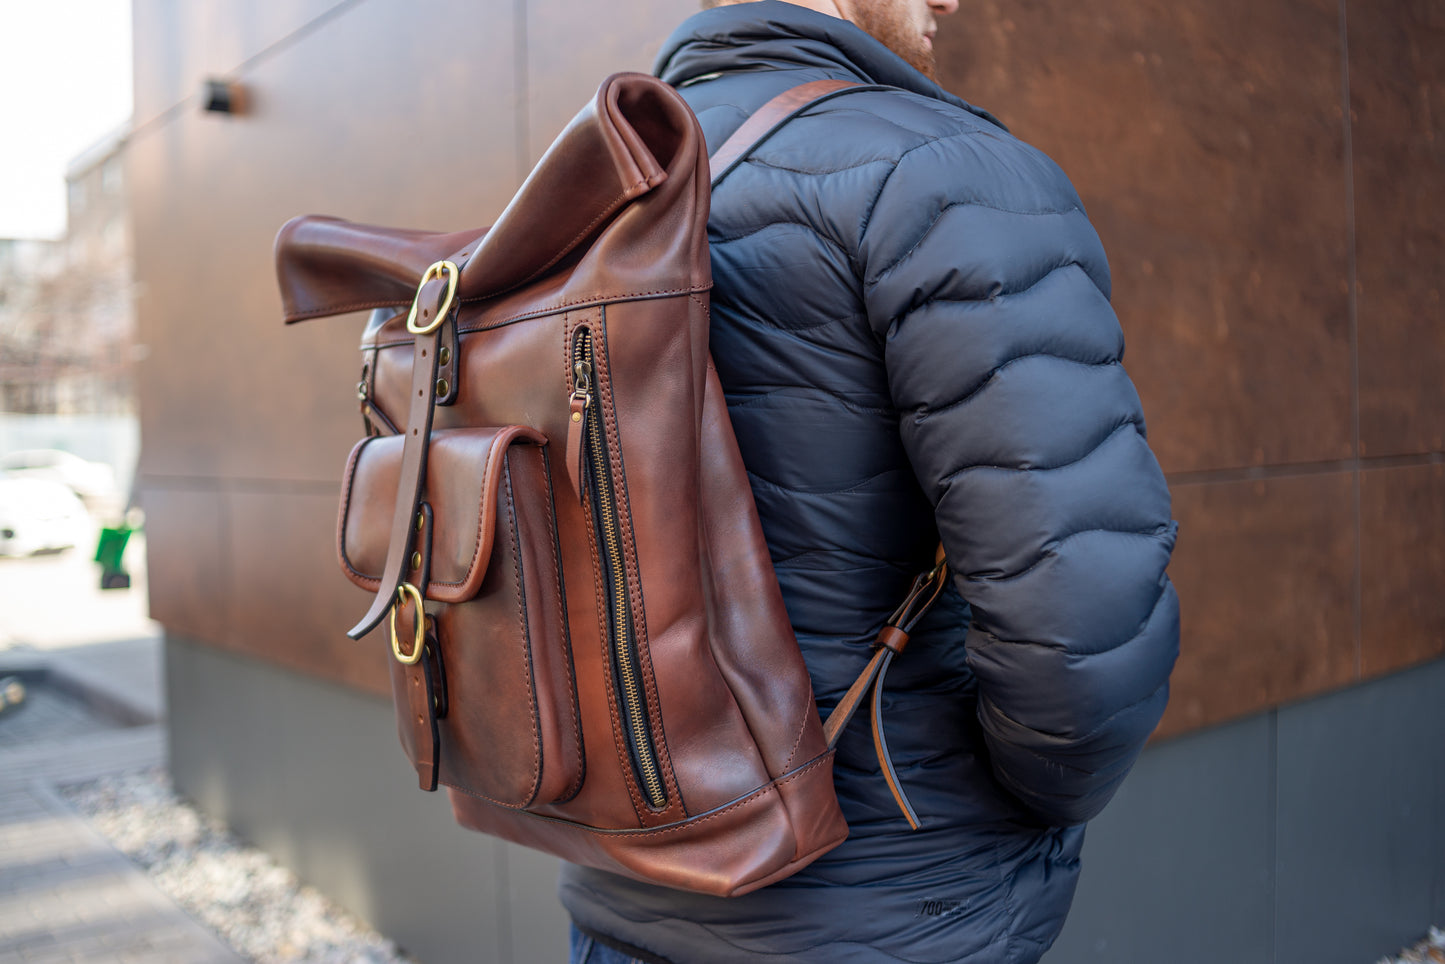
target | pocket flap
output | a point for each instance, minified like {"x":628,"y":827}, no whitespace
{"x":465,"y":480}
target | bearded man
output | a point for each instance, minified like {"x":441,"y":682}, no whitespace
{"x":911,"y":321}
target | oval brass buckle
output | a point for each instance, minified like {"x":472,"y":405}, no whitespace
{"x":406,"y":591}
{"x":435,"y":271}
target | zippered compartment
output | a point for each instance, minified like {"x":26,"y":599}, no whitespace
{"x":599,"y":492}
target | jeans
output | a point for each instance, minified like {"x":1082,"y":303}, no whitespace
{"x":587,"y":951}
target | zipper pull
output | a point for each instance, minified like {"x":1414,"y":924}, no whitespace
{"x":580,"y":401}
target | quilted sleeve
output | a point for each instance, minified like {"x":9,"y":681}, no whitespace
{"x":990,"y":291}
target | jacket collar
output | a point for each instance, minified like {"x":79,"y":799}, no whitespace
{"x":773,"y":34}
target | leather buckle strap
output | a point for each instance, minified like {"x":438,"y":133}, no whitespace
{"x":889,"y":643}
{"x":434,"y":319}
{"x":766,"y":120}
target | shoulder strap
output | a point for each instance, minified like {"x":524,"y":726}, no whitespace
{"x":774,"y":114}
{"x":927,"y":586}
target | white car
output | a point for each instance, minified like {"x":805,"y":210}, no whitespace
{"x":38,"y":515}
{"x":94,"y":482}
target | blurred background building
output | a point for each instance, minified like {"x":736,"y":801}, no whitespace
{"x":1268,"y":180}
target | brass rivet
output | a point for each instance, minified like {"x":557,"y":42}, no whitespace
{"x":442,"y":386}
{"x":416,"y":560}
{"x":420,"y":521}
{"x":576,"y":416}
{"x":445,"y":355}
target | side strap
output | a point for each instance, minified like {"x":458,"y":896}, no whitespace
{"x":766,"y":120}
{"x":891,"y":640}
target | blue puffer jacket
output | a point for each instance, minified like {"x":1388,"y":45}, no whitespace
{"x":911,"y":321}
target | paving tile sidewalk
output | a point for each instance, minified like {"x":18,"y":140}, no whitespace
{"x":66,"y":895}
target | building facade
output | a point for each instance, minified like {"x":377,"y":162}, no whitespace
{"x":1266,"y":177}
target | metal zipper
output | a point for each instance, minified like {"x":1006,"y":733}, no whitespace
{"x":609,"y":541}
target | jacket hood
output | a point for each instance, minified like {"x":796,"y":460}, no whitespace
{"x":773,"y":34}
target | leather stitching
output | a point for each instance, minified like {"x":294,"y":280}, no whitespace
{"x":560,"y":307}
{"x":500,"y":442}
{"x":603,"y":374}
{"x":371,"y":582}
{"x":689,"y":823}
{"x":802,"y":728}
{"x":566,"y":648}
{"x":527,"y":670}
{"x":604,"y":637}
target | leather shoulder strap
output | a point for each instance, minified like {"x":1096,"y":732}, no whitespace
{"x":774,"y":114}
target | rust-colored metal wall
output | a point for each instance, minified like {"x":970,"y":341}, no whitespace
{"x":1277,"y":269}
{"x":1277,"y":264}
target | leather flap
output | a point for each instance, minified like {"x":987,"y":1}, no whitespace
{"x":613,"y":152}
{"x":465,"y":482}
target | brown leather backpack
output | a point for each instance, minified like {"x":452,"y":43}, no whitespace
{"x":591,"y":650}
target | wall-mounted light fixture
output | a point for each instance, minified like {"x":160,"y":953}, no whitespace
{"x":223,"y":96}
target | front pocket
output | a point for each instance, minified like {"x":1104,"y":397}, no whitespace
{"x":510,"y":732}
{"x":591,"y":463}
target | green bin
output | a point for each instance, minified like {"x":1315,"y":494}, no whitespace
{"x":109,"y":552}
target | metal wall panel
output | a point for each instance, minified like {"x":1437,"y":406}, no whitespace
{"x":1397,"y":82}
{"x":1180,"y":867}
{"x":1206,"y":140}
{"x":1358,"y":809}
{"x":1266,"y":570}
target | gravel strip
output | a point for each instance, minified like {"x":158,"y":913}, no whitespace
{"x":1429,"y":951}
{"x":240,"y":893}
{"x":259,"y":907}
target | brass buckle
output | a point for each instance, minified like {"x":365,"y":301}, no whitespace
{"x":406,"y":591}
{"x":435,"y":271}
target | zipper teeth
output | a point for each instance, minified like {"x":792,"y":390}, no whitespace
{"x":627,"y":669}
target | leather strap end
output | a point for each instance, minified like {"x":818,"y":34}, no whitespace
{"x":848,"y":705}
{"x":880,"y":747}
{"x":373,"y":616}
{"x":422,"y":721}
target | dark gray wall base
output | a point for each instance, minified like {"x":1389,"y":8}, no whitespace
{"x":1312,"y":834}
{"x":312,"y":773}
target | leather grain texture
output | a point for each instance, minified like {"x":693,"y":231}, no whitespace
{"x":644,"y":709}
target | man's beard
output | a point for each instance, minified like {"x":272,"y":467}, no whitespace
{"x":890,"y":26}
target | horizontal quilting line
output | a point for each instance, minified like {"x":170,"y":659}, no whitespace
{"x":966,"y":132}
{"x":815,"y":172}
{"x":833,"y":555}
{"x":1071,"y":740}
{"x":822,"y":490}
{"x":1050,"y":550}
{"x":993,"y":373}
{"x":1144,"y":625}
{"x":995,"y":710}
{"x":771,"y":325}
{"x":1043,"y":468}
{"x":737,"y":315}
{"x":969,"y":203}
{"x":811,"y":229}
{"x":925,"y":138}
{"x":990,"y":299}
{"x":848,"y":403}
{"x":734,"y":108}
